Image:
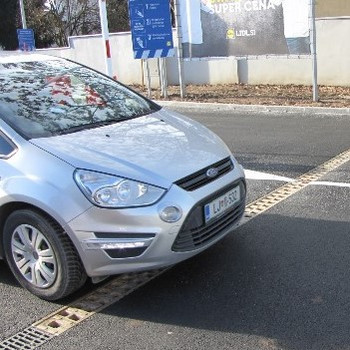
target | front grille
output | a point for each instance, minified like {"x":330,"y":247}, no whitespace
{"x":200,"y":178}
{"x":195,"y":233}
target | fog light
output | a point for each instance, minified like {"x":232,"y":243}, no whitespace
{"x":119,"y":243}
{"x":122,"y":245}
{"x":170,"y":213}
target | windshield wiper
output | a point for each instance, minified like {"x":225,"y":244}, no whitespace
{"x":86,"y":126}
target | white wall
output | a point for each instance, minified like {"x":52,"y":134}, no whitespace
{"x":90,"y":50}
{"x":333,"y":51}
{"x":333,"y":55}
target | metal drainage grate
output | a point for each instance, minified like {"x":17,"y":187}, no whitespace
{"x":27,"y":339}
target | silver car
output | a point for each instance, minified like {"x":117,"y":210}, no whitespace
{"x":96,"y":180}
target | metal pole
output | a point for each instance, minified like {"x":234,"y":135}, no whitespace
{"x":148,"y":79}
{"x":165,"y":78}
{"x":143,"y":72}
{"x":313,"y":50}
{"x":160,"y":71}
{"x":105,"y":36}
{"x":189,"y":26}
{"x":179,"y":47}
{"x":23,"y":14}
{"x":160,"y":77}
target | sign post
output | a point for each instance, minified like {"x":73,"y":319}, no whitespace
{"x":152,"y":35}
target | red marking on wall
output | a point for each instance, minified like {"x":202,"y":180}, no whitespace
{"x":108,"y":49}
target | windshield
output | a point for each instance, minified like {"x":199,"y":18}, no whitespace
{"x":52,"y":97}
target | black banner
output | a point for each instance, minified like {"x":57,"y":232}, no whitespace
{"x":223,"y":28}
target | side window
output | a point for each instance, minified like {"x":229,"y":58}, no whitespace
{"x":6,"y":147}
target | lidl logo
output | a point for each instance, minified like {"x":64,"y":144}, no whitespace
{"x":231,"y":34}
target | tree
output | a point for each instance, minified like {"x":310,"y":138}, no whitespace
{"x":38,"y":20}
{"x":8,"y":34}
{"x":118,"y":16}
{"x":53,"y":21}
{"x":72,"y":17}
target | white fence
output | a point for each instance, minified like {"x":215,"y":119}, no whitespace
{"x":333,"y":52}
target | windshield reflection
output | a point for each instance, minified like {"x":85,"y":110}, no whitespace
{"x":56,"y":97}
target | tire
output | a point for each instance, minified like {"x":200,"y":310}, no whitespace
{"x":41,"y":255}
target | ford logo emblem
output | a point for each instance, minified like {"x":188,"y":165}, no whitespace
{"x":212,"y":172}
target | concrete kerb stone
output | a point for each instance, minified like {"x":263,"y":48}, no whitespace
{"x":254,"y":108}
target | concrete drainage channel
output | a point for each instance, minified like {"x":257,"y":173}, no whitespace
{"x":69,"y":316}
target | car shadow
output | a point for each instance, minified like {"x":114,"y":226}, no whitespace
{"x":288,"y":285}
{"x":6,"y":276}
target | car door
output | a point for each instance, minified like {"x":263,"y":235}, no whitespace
{"x":7,"y":150}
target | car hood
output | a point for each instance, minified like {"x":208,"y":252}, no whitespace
{"x":159,"y":148}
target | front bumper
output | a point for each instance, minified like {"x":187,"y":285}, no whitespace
{"x":117,"y":241}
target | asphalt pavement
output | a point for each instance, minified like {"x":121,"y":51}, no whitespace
{"x":281,"y":281}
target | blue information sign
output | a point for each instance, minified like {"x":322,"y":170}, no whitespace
{"x":151,"y":28}
{"x":26,"y":40}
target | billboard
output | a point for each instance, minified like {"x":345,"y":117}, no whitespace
{"x":224,"y":28}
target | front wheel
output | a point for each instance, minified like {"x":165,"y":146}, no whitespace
{"x":41,"y":255}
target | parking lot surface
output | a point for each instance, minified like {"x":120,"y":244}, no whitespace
{"x":280,"y":281}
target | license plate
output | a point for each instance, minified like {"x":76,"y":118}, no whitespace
{"x":219,"y":205}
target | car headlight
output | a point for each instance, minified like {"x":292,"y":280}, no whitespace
{"x":115,"y":192}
